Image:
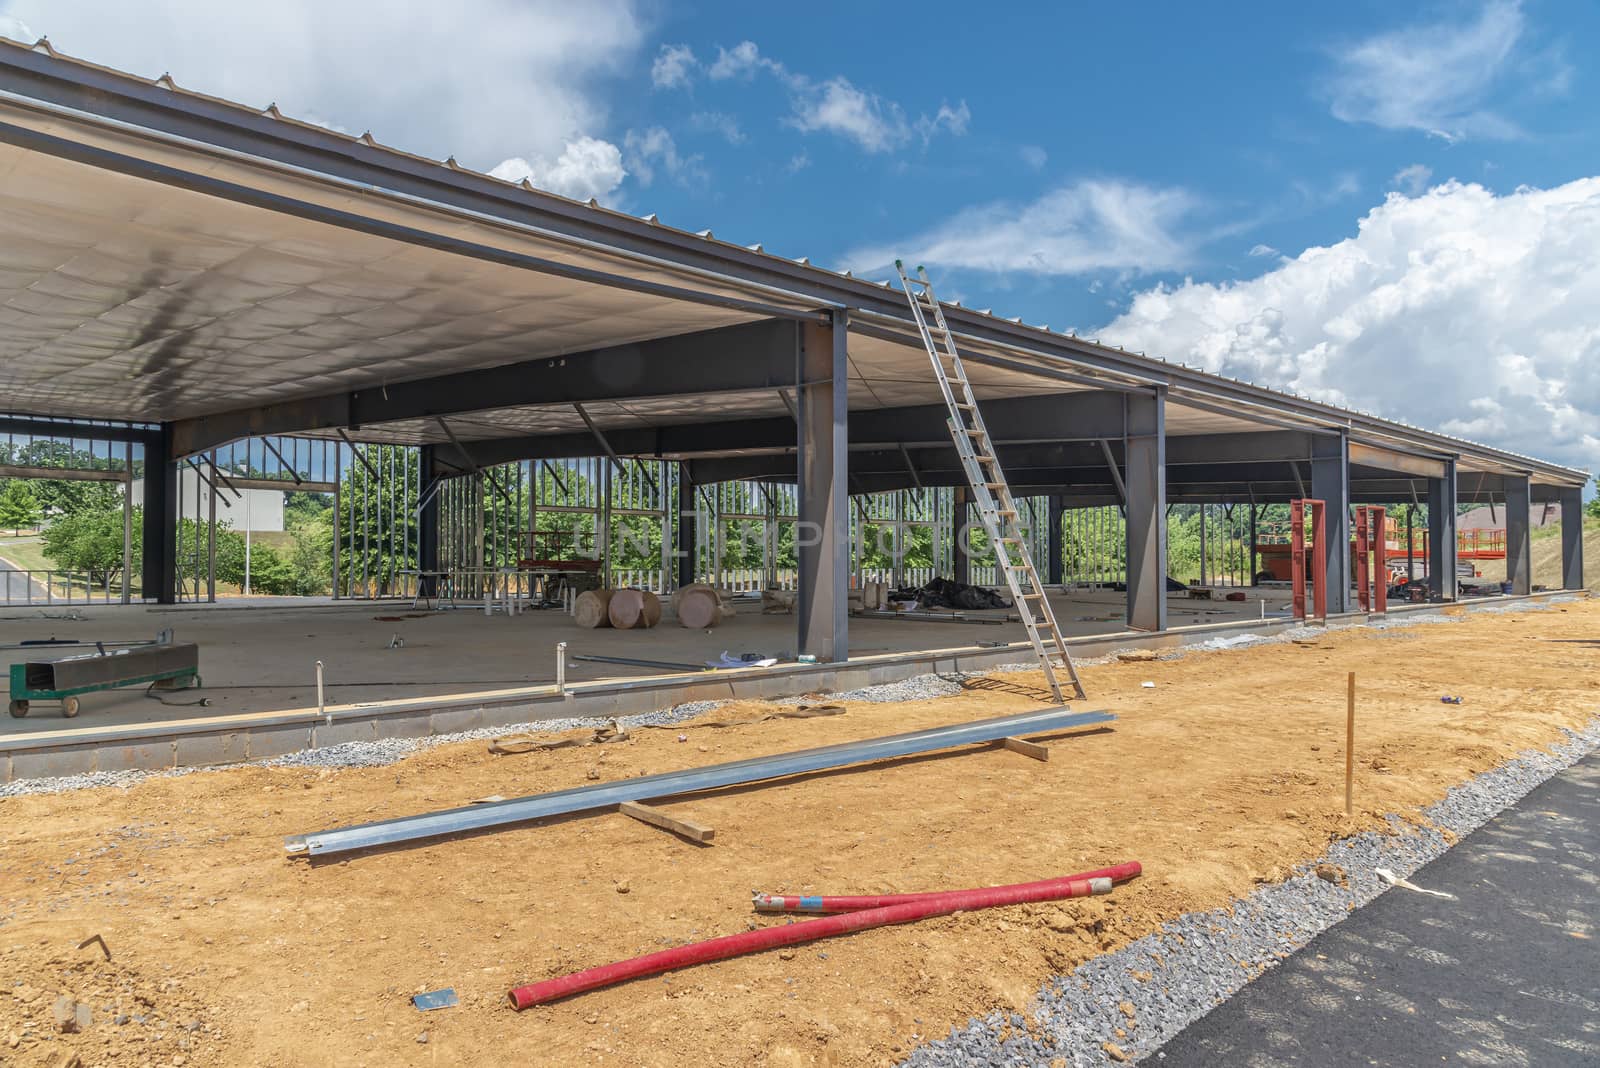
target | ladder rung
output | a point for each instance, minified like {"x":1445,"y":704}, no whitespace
{"x":989,"y":482}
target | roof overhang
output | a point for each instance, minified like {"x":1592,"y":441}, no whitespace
{"x":167,"y":256}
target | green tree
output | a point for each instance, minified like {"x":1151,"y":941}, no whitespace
{"x":374,"y":548}
{"x":90,"y":541}
{"x":19,"y":507}
{"x":62,"y":496}
{"x":311,"y":557}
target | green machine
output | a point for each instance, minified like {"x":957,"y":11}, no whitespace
{"x":162,"y":664}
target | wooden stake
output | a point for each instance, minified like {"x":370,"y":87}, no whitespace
{"x":692,"y":831}
{"x":1350,"y":746}
{"x":1027,"y":749}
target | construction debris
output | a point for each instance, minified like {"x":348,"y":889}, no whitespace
{"x":946,"y":593}
{"x":1026,"y":748}
{"x":823,"y":903}
{"x":695,"y":832}
{"x":443,"y":998}
{"x":744,"y":942}
{"x":669,"y":784}
{"x":96,"y":939}
{"x":614,"y":732}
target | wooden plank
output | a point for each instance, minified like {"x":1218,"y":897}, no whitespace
{"x":686,"y":828}
{"x":1027,"y":749}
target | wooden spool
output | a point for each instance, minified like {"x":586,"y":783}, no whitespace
{"x":700,"y":607}
{"x":592,"y":608}
{"x":631,"y":609}
{"x":678,"y":594}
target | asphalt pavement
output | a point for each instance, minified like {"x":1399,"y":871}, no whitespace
{"x":1508,"y":973}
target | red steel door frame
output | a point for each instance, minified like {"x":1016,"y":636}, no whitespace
{"x":1372,"y":584}
{"x":1319,"y":557}
{"x":1363,"y":579}
{"x":1378,"y":530}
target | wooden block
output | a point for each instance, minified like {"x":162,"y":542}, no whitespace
{"x":687,"y":829}
{"x":1027,"y":749}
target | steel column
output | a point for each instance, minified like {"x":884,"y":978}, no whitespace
{"x":427,"y":519}
{"x":686,"y":533}
{"x":822,"y":536}
{"x":1519,"y":546}
{"x":1330,"y":483}
{"x":1442,"y":534}
{"x":1571,"y":537}
{"x":1146,"y":479}
{"x":159,"y":564}
{"x":960,"y":556}
{"x":1055,"y":543}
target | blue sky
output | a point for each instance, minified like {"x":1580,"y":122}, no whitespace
{"x":1233,"y":105}
{"x":1390,"y":206}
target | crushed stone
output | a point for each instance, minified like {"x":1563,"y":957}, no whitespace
{"x":1197,"y":961}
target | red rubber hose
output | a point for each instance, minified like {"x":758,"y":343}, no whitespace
{"x":855,"y":903}
{"x":791,"y":934}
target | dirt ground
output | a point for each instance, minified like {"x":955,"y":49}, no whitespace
{"x":1225,"y":774}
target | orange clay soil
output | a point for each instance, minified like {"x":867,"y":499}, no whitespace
{"x":1226,"y":774}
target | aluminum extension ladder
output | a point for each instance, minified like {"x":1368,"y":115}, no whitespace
{"x":990,"y":492}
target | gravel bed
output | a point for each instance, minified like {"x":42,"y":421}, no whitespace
{"x":916,"y":688}
{"x":371,"y":754}
{"x":1197,"y":961}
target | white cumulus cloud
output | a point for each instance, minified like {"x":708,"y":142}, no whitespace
{"x":673,"y":68}
{"x":646,"y":151}
{"x":1457,"y":309}
{"x":838,"y":106}
{"x":1434,"y":78}
{"x":587,"y":167}
{"x":477,"y":79}
{"x":1078,"y":228}
{"x":1412,"y":179}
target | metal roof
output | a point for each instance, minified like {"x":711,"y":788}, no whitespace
{"x":165,"y":254}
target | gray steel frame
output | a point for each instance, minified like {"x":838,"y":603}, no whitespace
{"x":674,"y":783}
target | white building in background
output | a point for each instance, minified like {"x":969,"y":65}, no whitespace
{"x":255,"y":510}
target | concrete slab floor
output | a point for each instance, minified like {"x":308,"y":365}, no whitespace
{"x":260,"y":657}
